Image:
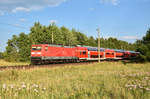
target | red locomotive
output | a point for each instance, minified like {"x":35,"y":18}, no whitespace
{"x":42,"y":53}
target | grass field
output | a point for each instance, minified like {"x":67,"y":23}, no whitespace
{"x":107,"y":80}
{"x":5,"y":63}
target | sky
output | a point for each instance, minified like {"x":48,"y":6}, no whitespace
{"x":123,"y":19}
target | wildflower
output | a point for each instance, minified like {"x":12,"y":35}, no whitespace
{"x":147,"y":73}
{"x":35,"y":85}
{"x":23,"y":86}
{"x":147,"y":89}
{"x":44,"y":88}
{"x":127,"y":85}
{"x":11,"y":86}
{"x":19,"y":88}
{"x":22,"y":83}
{"x":146,"y":78}
{"x":36,"y":90}
{"x":135,"y":86}
{"x":15,"y":94}
{"x":4,"y":86}
{"x":140,"y":87}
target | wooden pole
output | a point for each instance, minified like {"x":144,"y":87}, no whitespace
{"x":99,"y":45}
{"x":52,"y":38}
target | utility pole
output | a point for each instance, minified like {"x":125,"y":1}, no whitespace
{"x":52,"y":23}
{"x":52,"y":38}
{"x":98,"y":30}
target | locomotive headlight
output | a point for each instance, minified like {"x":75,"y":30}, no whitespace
{"x":32,"y":52}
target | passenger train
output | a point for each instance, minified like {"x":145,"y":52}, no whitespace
{"x":49,"y":53}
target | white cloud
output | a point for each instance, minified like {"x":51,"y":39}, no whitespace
{"x":130,"y":37}
{"x":22,"y":19}
{"x":113,"y":2}
{"x":27,"y":5}
{"x":21,"y":9}
{"x":53,"y":21}
{"x":126,"y":38}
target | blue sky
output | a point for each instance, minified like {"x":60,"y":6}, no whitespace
{"x":124,"y":19}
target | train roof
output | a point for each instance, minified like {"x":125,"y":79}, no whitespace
{"x":88,"y":47}
{"x":119,"y":50}
{"x":95,"y":49}
{"x":132,"y":52}
{"x":54,"y":45}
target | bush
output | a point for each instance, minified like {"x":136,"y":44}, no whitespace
{"x":1,"y":55}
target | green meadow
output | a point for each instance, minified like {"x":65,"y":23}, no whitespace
{"x":106,"y":80}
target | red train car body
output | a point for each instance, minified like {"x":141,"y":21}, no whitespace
{"x":54,"y":53}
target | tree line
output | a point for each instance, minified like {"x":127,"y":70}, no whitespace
{"x":18,"y":47}
{"x":143,"y":46}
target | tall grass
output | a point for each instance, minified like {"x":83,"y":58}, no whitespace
{"x":95,"y":81}
{"x":5,"y":63}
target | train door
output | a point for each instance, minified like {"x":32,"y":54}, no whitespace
{"x":109,"y":55}
{"x":112,"y":55}
{"x":46,"y":51}
{"x":83,"y":54}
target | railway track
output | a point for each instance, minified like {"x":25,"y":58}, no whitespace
{"x":42,"y":66}
{"x":56,"y":65}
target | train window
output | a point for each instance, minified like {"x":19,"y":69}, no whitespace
{"x":39,"y":48}
{"x":84,"y":52}
{"x":36,"y":48}
{"x":33,"y":48}
{"x":101,"y":56}
{"x":80,"y":53}
{"x":94,"y":56}
{"x":46,"y":48}
{"x":107,"y":53}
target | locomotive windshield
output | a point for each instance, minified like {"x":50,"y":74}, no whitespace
{"x":36,"y":48}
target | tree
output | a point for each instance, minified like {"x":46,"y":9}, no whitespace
{"x":18,"y":48}
{"x":11,"y":53}
{"x":1,"y":55}
{"x":56,"y":32}
{"x":69,"y":37}
{"x":92,"y":41}
{"x":81,"y":38}
{"x":143,"y":46}
{"x":23,"y":45}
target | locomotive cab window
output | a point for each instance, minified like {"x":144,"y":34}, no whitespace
{"x":36,"y":48}
{"x":33,"y":48}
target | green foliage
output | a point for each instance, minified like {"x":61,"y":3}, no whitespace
{"x":1,"y":55}
{"x":113,"y":43}
{"x":18,"y":48}
{"x":143,"y":46}
{"x":91,"y":41}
